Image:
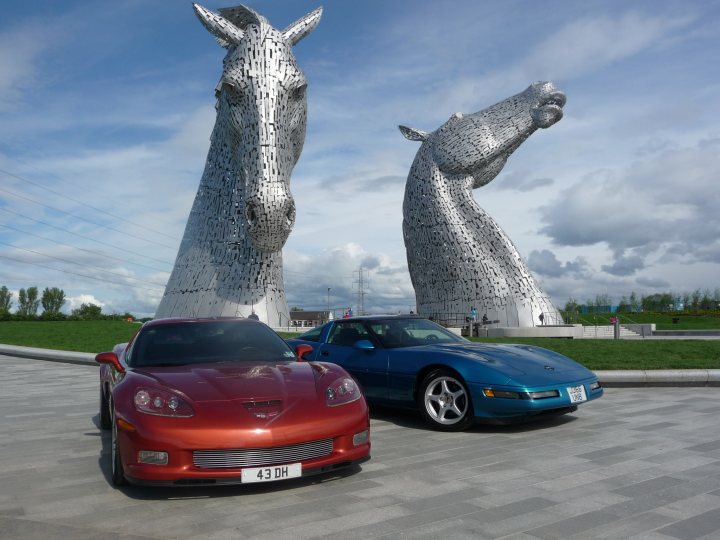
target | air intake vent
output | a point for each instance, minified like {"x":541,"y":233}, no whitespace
{"x":257,"y":457}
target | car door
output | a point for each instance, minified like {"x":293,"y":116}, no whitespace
{"x":350,"y":345}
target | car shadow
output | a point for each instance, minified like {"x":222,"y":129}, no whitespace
{"x":411,"y":419}
{"x":204,"y":492}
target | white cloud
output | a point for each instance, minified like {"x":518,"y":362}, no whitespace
{"x":20,"y":50}
{"x":545,"y":263}
{"x":625,"y":266}
{"x":521,"y":181}
{"x":74,"y":302}
{"x":386,"y":281}
{"x":589,"y":43}
{"x":666,"y":204}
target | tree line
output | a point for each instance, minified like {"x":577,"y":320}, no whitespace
{"x":52,"y":301}
{"x":665,"y":302}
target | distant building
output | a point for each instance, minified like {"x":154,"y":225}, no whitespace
{"x":309,"y":319}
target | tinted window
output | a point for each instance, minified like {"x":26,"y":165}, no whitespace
{"x":347,"y":334}
{"x":207,"y":341}
{"x":394,"y":333}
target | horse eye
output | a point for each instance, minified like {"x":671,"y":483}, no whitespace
{"x":299,"y":92}
{"x":231,"y":90}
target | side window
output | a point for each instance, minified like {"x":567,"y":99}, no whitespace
{"x":391,"y":335}
{"x":347,"y":334}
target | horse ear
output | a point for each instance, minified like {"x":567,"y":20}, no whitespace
{"x":241,"y":16}
{"x":302,"y":27}
{"x":225,"y":32}
{"x":414,"y":134}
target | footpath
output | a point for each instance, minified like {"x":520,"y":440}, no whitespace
{"x":615,"y":378}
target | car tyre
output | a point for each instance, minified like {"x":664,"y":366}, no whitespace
{"x":118,"y":475}
{"x":445,"y":402}
{"x":105,"y":418}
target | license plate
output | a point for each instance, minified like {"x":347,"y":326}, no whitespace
{"x":577,"y":394}
{"x":271,"y":474}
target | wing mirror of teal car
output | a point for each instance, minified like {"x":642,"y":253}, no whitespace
{"x":364,"y":345}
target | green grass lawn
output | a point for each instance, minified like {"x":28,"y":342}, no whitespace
{"x":97,"y":336}
{"x":630,"y":354}
{"x":662,"y":321}
{"x":82,"y":336}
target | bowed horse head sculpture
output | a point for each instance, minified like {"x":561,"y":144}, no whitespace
{"x":480,"y":143}
{"x":230,"y":259}
{"x":458,"y":256}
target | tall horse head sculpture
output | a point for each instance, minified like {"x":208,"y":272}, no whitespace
{"x":230,"y":260}
{"x":458,"y":256}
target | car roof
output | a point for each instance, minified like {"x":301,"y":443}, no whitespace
{"x":380,"y":318}
{"x":201,"y":320}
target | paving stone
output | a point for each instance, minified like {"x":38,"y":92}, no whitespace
{"x":649,"y":486}
{"x":635,"y":464}
{"x":694,"y":527}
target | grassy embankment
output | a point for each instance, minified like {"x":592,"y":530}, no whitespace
{"x":630,"y":354}
{"x":82,"y":336}
{"x":96,"y":336}
{"x":663,"y":321}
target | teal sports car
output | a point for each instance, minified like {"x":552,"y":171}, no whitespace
{"x":411,"y":362}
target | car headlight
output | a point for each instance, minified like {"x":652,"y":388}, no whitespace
{"x":342,"y":391}
{"x":162,"y":403}
{"x":595,"y":385}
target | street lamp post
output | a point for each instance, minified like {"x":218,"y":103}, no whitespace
{"x":328,"y":303}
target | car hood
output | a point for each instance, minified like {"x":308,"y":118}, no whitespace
{"x":233,"y":381}
{"x":521,"y":363}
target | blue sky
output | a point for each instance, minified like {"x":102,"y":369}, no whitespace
{"x":106,"y":110}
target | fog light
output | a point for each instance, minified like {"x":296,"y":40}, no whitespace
{"x":361,"y":438}
{"x":151,"y":457}
{"x":595,"y":385}
{"x":545,"y":394}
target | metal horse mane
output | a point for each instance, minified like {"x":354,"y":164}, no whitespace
{"x":458,"y":256}
{"x":230,"y":259}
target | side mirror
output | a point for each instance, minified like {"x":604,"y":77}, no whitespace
{"x":364,"y":345}
{"x":302,"y":350}
{"x":111,"y":359}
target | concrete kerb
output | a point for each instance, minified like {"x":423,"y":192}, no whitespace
{"x":67,"y":357}
{"x":619,"y":378}
{"x":659,"y":377}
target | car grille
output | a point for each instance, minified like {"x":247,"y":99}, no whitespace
{"x":257,"y":457}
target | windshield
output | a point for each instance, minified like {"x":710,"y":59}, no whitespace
{"x":177,"y":344}
{"x":394,"y":333}
{"x":312,"y":335}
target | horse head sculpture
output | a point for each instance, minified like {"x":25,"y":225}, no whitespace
{"x":262,"y":95}
{"x":230,"y":259}
{"x":479,"y":144}
{"x":458,"y":256}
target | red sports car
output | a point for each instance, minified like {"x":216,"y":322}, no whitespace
{"x":221,"y":401}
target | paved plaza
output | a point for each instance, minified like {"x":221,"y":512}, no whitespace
{"x":639,"y":463}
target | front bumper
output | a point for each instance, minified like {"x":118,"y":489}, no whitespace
{"x":506,"y":408}
{"x":235,"y":479}
{"x":179,"y":440}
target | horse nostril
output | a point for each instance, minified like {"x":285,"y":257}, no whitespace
{"x":290,"y":215}
{"x":557,"y":98}
{"x":250,"y":214}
